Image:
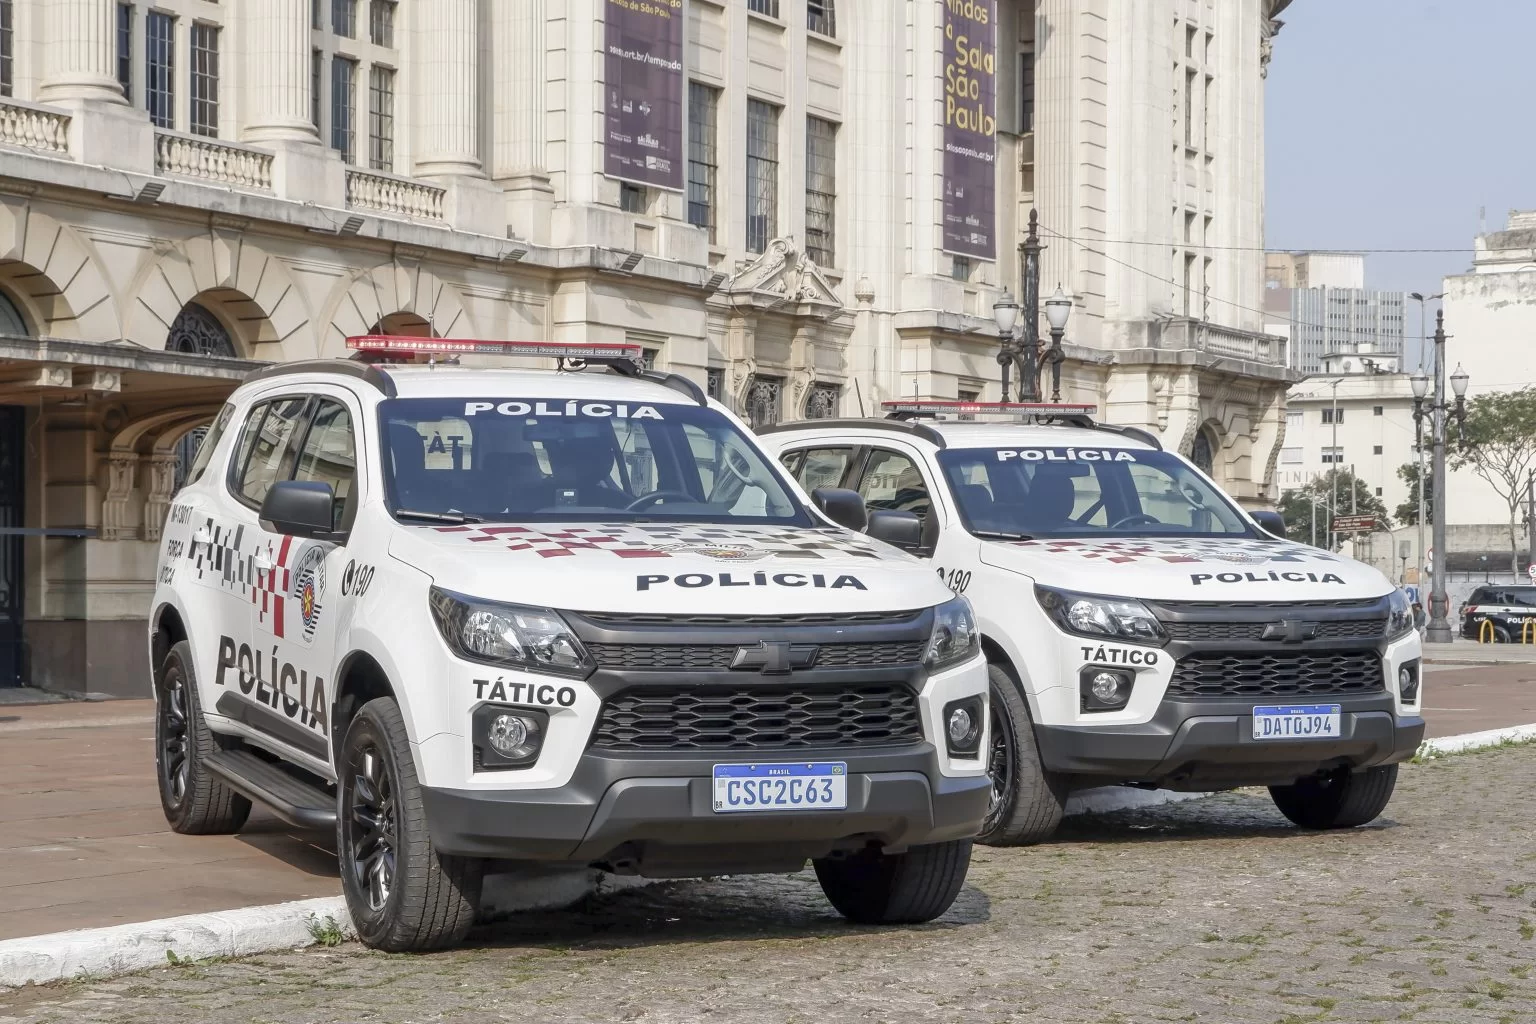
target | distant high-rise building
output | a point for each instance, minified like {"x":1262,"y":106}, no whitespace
{"x":1319,"y":300}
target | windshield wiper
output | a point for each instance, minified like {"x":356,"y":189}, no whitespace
{"x":458,"y":518}
{"x":1000,"y":535}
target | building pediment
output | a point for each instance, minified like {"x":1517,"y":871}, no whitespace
{"x":782,"y":280}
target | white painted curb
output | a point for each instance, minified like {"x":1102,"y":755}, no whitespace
{"x":98,"y":952}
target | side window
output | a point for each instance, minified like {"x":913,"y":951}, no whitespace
{"x":267,"y":450}
{"x":823,"y":467}
{"x":892,"y":481}
{"x":329,"y":456}
{"x":209,"y":443}
{"x":791,"y":462}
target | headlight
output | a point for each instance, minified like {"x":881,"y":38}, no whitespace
{"x":509,"y":635}
{"x":1399,"y":616}
{"x":1112,"y":617}
{"x":955,"y":637}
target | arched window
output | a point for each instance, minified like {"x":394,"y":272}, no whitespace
{"x":199,"y":332}
{"x":12,"y":323}
{"x":1203,"y":453}
{"x":404,"y":324}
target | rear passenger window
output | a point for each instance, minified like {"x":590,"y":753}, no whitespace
{"x":266,"y":448}
{"x":823,"y":467}
{"x":892,"y":481}
{"x":209,"y":442}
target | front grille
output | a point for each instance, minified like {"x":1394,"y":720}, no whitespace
{"x":759,"y":718}
{"x":638,"y":621}
{"x":718,"y":657}
{"x":1292,"y":609}
{"x":1338,"y":629}
{"x":1262,"y":676}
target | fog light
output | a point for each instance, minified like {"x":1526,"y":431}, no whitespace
{"x":1408,"y":682}
{"x":509,"y":735}
{"x":962,"y":726}
{"x":1105,"y":689}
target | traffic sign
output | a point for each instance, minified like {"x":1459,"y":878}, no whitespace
{"x":1354,"y":524}
{"x":1530,"y":571}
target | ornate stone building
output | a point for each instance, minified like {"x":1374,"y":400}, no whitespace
{"x":188,"y":187}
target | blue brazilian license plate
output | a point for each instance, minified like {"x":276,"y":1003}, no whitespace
{"x":808,"y":786}
{"x":1296,"y":722}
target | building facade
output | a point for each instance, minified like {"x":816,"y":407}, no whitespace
{"x":189,"y":188}
{"x":1325,"y":308}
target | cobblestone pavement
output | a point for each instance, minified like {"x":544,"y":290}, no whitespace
{"x":1213,"y":910}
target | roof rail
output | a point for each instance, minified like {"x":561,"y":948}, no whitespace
{"x":1071,"y":415}
{"x":677,"y":382}
{"x":1134,"y":433}
{"x":921,"y":430}
{"x":365,"y":372}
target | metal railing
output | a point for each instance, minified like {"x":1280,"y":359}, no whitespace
{"x":33,"y":126}
{"x":392,"y":194}
{"x":228,"y":163}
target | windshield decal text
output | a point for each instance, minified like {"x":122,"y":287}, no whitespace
{"x":695,"y":580}
{"x":573,"y":407}
{"x":1270,"y":577}
{"x":1066,"y":454}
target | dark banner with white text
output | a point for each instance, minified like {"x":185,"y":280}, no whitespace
{"x":645,"y":136}
{"x":970,"y":128}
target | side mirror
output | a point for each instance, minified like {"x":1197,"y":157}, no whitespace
{"x":300,"y":508}
{"x":1271,"y":522}
{"x":898,"y":529}
{"x":842,"y":506}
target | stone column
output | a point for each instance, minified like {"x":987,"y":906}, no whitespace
{"x":448,"y":83}
{"x":519,"y":160}
{"x":78,"y":52}
{"x":278,"y":88}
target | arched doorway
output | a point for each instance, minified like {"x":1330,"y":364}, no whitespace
{"x":404,"y":324}
{"x":1203,"y":452}
{"x":12,"y":323}
{"x":199,"y":332}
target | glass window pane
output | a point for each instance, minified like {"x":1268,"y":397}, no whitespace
{"x":205,"y":79}
{"x":124,"y":49}
{"x":821,"y":191}
{"x":343,"y":103}
{"x":268,"y":461}
{"x":160,"y":68}
{"x":329,"y":456}
{"x":762,"y":174}
{"x":824,"y":467}
{"x":703,"y":165}
{"x":381,"y":118}
{"x":892,"y":481}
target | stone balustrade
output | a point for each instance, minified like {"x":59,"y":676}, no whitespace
{"x":227,"y":163}
{"x":394,"y":195}
{"x":33,"y":126}
{"x":1217,"y":340}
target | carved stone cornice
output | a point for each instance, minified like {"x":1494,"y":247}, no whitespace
{"x":782,"y":280}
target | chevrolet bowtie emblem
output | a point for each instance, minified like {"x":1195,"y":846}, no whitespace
{"x":775,"y":657}
{"x":1291,"y":631}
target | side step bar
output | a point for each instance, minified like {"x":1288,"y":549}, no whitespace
{"x":297,"y":802}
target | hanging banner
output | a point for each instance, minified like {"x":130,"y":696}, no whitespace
{"x":645,"y":136}
{"x":970,"y":128}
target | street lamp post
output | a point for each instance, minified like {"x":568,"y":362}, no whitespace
{"x":1057,"y":309}
{"x":1441,"y":413}
{"x":1005,"y":312}
{"x":1420,"y":389}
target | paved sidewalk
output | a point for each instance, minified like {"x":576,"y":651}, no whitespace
{"x":85,"y":844}
{"x":1470,"y":652}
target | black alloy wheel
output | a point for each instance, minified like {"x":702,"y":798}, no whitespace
{"x":370,"y":825}
{"x":172,"y":739}
{"x":1001,"y":769}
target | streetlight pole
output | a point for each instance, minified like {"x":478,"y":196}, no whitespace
{"x":1420,"y":390}
{"x":1439,"y":631}
{"x":1421,"y":298}
{"x":1029,"y":372}
{"x":1057,"y":309}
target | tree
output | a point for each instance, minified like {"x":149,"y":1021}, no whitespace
{"x":1355,"y":498}
{"x":1499,"y":444}
{"x":1408,"y":512}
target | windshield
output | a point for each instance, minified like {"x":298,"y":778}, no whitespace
{"x":1086,"y":493}
{"x":505,"y":460}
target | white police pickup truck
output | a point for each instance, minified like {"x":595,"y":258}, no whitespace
{"x":472,"y":617}
{"x":1141,"y":628}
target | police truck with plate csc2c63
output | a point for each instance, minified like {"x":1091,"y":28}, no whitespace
{"x":470,"y":618}
{"x":1141,"y":628}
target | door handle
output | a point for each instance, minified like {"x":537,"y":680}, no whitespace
{"x":264,"y":563}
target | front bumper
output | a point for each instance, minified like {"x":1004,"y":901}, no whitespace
{"x":1200,"y":745}
{"x":653,"y":815}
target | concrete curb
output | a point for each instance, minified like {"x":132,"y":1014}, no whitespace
{"x":97,"y":952}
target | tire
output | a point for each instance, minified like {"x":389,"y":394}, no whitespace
{"x":196,"y":801}
{"x":403,"y":895}
{"x":896,"y":888}
{"x":1027,"y":801}
{"x":1343,"y":799}
{"x":1501,"y":635}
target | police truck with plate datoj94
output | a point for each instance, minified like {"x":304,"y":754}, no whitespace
{"x":471,"y":618}
{"x":1141,"y":628}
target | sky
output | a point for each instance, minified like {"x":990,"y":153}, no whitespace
{"x":1391,"y":122}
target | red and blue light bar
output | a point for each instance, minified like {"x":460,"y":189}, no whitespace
{"x":401,"y":346}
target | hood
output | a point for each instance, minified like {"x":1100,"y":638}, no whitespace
{"x":1190,"y":569}
{"x":756,"y":570}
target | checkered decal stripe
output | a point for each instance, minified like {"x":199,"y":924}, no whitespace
{"x":271,"y":585}
{"x":1174,"y":550}
{"x":659,"y":541}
